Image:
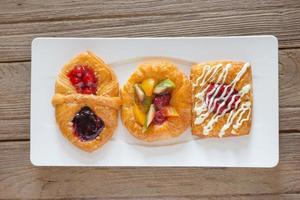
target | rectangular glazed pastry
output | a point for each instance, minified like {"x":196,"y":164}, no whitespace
{"x":222,"y":99}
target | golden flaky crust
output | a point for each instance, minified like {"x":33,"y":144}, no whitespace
{"x":105,"y":103}
{"x":181,"y":100}
{"x":246,"y":79}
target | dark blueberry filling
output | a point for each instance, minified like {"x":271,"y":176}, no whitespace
{"x":87,"y":125}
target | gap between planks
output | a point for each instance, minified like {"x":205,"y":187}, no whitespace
{"x":285,"y":132}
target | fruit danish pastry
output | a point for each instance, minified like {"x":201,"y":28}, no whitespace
{"x":222,"y":99}
{"x":86,"y":101}
{"x":156,"y":102}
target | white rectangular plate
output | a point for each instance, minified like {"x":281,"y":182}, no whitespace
{"x":260,"y":149}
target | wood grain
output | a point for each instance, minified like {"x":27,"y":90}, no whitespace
{"x":289,"y":78}
{"x":14,"y":102}
{"x":21,"y":21}
{"x":31,"y":11}
{"x":18,"y":178}
{"x":289,"y":119}
{"x":223,"y":197}
{"x":19,"y":24}
{"x":234,"y":197}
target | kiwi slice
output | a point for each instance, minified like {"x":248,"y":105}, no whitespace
{"x":164,"y":86}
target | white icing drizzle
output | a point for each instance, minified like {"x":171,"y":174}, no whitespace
{"x":245,"y":89}
{"x":243,"y":108}
{"x":231,"y":117}
{"x":240,"y":121}
{"x":200,"y":109}
{"x":201,"y":118}
{"x":205,"y":106}
{"x":215,"y":70}
{"x":222,"y":77}
{"x":210,"y":124}
{"x":234,"y":82}
{"x":224,"y":73}
{"x":206,"y":68}
{"x":220,"y":81}
{"x":211,"y":104}
{"x":216,"y":116}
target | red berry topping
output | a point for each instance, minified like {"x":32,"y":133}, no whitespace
{"x":74,"y":80}
{"x":161,"y":100}
{"x":83,"y":79}
{"x":159,"y":118}
{"x":221,"y":97}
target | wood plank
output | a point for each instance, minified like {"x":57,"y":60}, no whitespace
{"x":31,"y":11}
{"x":15,"y":101}
{"x":18,"y":178}
{"x":232,"y":197}
{"x":213,"y":197}
{"x":289,"y":119}
{"x":15,"y":90}
{"x":289,"y":78}
{"x":15,"y":39}
{"x":15,"y":129}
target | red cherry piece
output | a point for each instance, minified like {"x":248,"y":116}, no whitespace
{"x":83,"y":79}
{"x":159,"y":118}
{"x":78,"y":71}
{"x":86,"y":91}
{"x":74,"y":80}
{"x":161,"y":100}
{"x":88,"y":78}
{"x":217,"y":104}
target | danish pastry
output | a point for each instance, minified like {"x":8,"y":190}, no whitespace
{"x":222,"y":99}
{"x":86,"y":101}
{"x":156,"y":102}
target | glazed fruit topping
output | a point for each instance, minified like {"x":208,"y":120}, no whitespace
{"x":169,"y":111}
{"x":148,"y":86}
{"x":140,"y":116}
{"x":152,"y":102}
{"x":161,"y":100}
{"x":87,"y":125}
{"x":83,"y":79}
{"x":164,"y":86}
{"x":159,"y":118}
{"x":150,"y":116}
{"x":220,"y":98}
{"x":139,"y":92}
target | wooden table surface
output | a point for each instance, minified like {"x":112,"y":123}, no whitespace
{"x":21,"y":21}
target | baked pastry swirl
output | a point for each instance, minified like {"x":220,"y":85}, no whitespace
{"x":86,"y":101}
{"x":222,"y":99}
{"x":156,"y":102}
